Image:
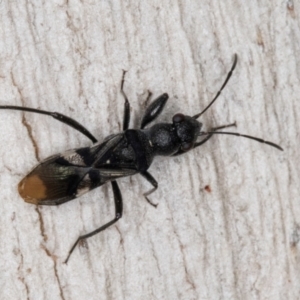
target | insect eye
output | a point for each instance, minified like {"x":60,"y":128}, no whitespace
{"x":178,"y":118}
{"x":187,"y":146}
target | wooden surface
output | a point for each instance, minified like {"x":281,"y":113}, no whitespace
{"x":228,"y":221}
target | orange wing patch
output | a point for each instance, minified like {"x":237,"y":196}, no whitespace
{"x":32,"y":189}
{"x":51,"y":183}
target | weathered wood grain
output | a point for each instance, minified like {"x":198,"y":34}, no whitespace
{"x":237,"y":240}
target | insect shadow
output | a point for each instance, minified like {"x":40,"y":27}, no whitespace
{"x":68,"y":175}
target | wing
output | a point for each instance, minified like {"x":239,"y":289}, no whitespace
{"x":64,"y":177}
{"x":51,"y":183}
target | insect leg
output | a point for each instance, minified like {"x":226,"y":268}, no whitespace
{"x":210,"y":135}
{"x":126,"y":117}
{"x":154,"y":109}
{"x":153,"y":182}
{"x":58,"y":116}
{"x":118,"y":214}
{"x":224,"y":126}
{"x":179,"y":152}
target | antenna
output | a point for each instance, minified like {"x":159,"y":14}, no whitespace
{"x":221,"y":89}
{"x":242,"y":135}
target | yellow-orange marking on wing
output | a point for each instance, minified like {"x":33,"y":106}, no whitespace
{"x":32,"y":189}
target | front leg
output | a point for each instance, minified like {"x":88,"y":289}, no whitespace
{"x":126,"y":118}
{"x":118,"y":214}
{"x":154,"y":109}
{"x":210,"y":135}
{"x":153,"y":182}
{"x":179,"y":152}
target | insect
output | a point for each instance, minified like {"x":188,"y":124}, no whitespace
{"x":66,"y":176}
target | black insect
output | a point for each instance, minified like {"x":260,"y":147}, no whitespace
{"x":66,"y":176}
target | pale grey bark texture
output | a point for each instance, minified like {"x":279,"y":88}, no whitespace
{"x":228,"y":221}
